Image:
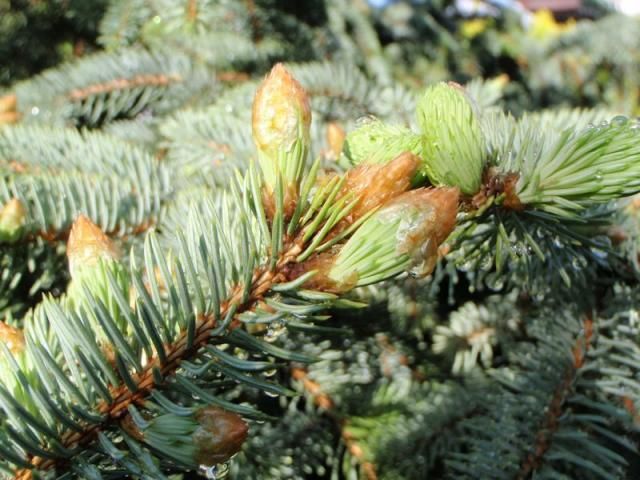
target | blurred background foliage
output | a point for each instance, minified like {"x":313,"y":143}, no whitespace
{"x":36,"y":34}
{"x":581,"y":56}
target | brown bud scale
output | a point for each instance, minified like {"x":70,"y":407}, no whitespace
{"x":220,"y":436}
{"x":375,"y":184}
{"x":88,"y":244}
{"x":12,"y":337}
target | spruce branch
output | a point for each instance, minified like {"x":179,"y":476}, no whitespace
{"x":108,"y":86}
{"x":325,"y":402}
{"x":159,"y":338}
{"x":550,"y":423}
{"x":565,"y":407}
{"x":212,"y":266}
{"x":58,"y":173}
{"x":582,"y":168}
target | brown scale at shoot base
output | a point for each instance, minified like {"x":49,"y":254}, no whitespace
{"x":404,"y":233}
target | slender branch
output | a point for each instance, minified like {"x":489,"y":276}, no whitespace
{"x":178,"y":351}
{"x":150,"y":80}
{"x":233,"y":76}
{"x":494,"y":184}
{"x":62,"y":235}
{"x":630,"y":407}
{"x":192,"y":10}
{"x":551,"y":421}
{"x":325,"y":402}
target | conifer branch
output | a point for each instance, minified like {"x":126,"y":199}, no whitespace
{"x":145,"y":382}
{"x":159,"y":80}
{"x":554,"y":411}
{"x":328,"y":407}
{"x":287,"y":213}
{"x":246,"y":261}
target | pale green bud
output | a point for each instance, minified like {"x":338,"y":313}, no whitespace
{"x":404,"y":235}
{"x":281,"y":119}
{"x":376,"y":142}
{"x":12,"y":221}
{"x":453,"y":149}
{"x":13,"y":339}
{"x":92,"y":256}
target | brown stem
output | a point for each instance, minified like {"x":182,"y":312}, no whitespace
{"x":150,"y":80}
{"x":495,"y":183}
{"x":176,"y":352}
{"x":551,"y":422}
{"x":192,"y":10}
{"x":325,"y":402}
{"x":63,"y":235}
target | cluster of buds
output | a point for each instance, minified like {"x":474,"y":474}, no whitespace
{"x":9,"y":110}
{"x":208,"y":437}
{"x":13,"y":218}
{"x":407,"y":227}
{"x":450,"y":143}
{"x":281,"y":121}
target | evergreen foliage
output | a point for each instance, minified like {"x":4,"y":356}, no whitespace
{"x":339,"y":267}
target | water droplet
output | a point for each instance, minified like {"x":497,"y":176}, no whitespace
{"x":599,"y":254}
{"x":604,"y":124}
{"x":521,"y":250}
{"x":598,"y":175}
{"x":35,"y":111}
{"x":214,"y":472}
{"x":276,"y":328}
{"x":209,"y":472}
{"x":619,"y":121}
{"x":364,"y":120}
{"x":157,"y":19}
{"x":270,"y":373}
{"x":576,"y":263}
{"x":495,"y":281}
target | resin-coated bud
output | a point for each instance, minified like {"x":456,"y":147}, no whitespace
{"x":403,"y":235}
{"x":12,"y":337}
{"x":281,"y":120}
{"x":209,"y":436}
{"x":88,"y":245}
{"x":335,"y":139}
{"x":376,"y":184}
{"x":453,"y":147}
{"x":219,"y":436}
{"x":9,"y":109}
{"x":13,"y":217}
